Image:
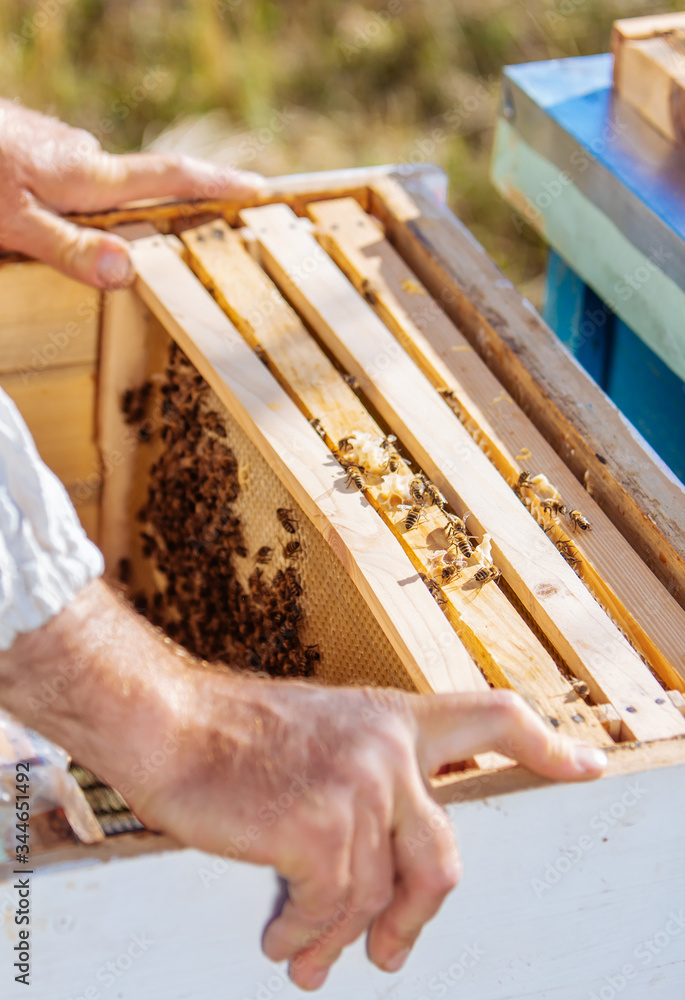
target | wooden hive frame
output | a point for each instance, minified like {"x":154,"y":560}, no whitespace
{"x":364,"y":307}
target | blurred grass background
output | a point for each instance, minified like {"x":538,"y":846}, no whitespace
{"x":297,"y":85}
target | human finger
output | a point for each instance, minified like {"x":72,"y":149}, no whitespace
{"x":372,"y":873}
{"x":89,"y":255}
{"x":454,"y":727}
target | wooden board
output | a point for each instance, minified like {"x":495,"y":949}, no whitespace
{"x":47,"y":320}
{"x":572,"y":413}
{"x":59,"y":408}
{"x":89,"y":515}
{"x":649,"y":69}
{"x":504,"y":647}
{"x":587,"y":640}
{"x":431,"y":652}
{"x":620,"y":580}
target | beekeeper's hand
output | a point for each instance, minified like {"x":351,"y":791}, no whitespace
{"x":48,"y":169}
{"x":330,"y":786}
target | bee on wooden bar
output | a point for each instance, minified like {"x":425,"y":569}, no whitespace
{"x":368,"y":292}
{"x":291,"y":550}
{"x":416,"y":489}
{"x":554,"y":507}
{"x":353,"y":382}
{"x":287,"y":519}
{"x":262,"y":355}
{"x":356,"y":477}
{"x":318,"y":426}
{"x":524,"y":481}
{"x":435,"y":591}
{"x":435,"y":497}
{"x":461,"y":542}
{"x":412,"y":518}
{"x":579,"y":520}
{"x":345,"y":444}
{"x":455,"y":525}
{"x":487,"y":573}
{"x":264,"y":554}
{"x":449,"y":572}
{"x":450,"y":397}
{"x":581,"y":688}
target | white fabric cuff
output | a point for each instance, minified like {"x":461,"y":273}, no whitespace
{"x":45,"y":556}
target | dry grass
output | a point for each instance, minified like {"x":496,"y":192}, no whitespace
{"x":303,"y":84}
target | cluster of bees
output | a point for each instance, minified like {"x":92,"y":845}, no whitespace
{"x":362,"y":456}
{"x":191,"y":535}
{"x":550,"y":503}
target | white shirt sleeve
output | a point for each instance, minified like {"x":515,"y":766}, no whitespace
{"x":45,"y":556}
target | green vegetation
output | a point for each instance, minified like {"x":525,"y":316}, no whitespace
{"x":302,"y":84}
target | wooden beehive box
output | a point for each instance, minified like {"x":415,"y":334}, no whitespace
{"x":649,"y":69}
{"x":206,"y":423}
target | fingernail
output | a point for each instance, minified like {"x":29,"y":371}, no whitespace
{"x":395,"y":963}
{"x":316,"y":980}
{"x":115,"y":269}
{"x":589,"y":758}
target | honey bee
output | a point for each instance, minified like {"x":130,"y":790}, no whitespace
{"x":554,"y":507}
{"x":455,"y":525}
{"x":355,"y":477}
{"x":312,"y":653}
{"x":581,"y":688}
{"x":412,"y":518}
{"x":264,"y":554}
{"x":292,"y":584}
{"x":352,"y":381}
{"x":387,"y":442}
{"x":291,"y":550}
{"x":262,"y":355}
{"x":435,"y":497}
{"x":287,"y":519}
{"x":460,"y":541}
{"x":318,"y":426}
{"x":449,"y":572}
{"x":125,"y":571}
{"x":368,"y":292}
{"x":524,"y":481}
{"x":487,"y":573}
{"x":416,"y":489}
{"x":394,"y":462}
{"x":579,"y":520}
{"x":568,"y":552}
{"x":345,"y":444}
{"x":435,"y":591}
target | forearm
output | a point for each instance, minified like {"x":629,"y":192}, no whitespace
{"x":97,"y":681}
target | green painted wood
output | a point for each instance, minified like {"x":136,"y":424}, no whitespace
{"x":629,"y":282}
